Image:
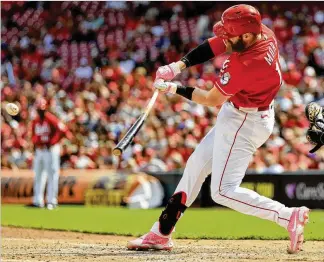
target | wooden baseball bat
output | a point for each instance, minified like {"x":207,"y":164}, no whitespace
{"x":131,"y":133}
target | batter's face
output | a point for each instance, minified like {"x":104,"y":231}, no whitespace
{"x":240,"y":43}
{"x":237,"y":44}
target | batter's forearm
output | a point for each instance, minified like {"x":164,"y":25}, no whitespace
{"x":200,"y":96}
{"x":208,"y":98}
{"x":198,"y":55}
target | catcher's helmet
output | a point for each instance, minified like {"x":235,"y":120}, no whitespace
{"x":41,"y":104}
{"x":238,"y":20}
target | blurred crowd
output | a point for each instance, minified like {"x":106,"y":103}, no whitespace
{"x":95,"y":63}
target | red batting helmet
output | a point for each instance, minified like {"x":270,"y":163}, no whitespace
{"x":238,"y":20}
{"x":41,"y":104}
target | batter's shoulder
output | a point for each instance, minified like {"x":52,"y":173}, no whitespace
{"x":266,"y":31}
{"x":251,"y":65}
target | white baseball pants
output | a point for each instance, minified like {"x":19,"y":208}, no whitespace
{"x":46,"y":166}
{"x":225,"y":152}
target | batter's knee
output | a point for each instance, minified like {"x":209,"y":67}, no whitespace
{"x":197,"y":164}
{"x":218,"y":193}
{"x":217,"y":197}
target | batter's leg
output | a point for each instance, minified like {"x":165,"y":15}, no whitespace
{"x":240,"y":139}
{"x":39,"y":178}
{"x":197,"y":169}
{"x":54,"y":169}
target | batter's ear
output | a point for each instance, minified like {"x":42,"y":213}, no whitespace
{"x":248,"y":36}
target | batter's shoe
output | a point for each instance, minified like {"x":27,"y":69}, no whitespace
{"x":151,"y":241}
{"x":298,"y":220}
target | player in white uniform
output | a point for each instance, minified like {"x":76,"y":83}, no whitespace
{"x":47,"y":132}
{"x":248,"y":82}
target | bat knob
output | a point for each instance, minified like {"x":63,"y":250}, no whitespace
{"x":117,"y":151}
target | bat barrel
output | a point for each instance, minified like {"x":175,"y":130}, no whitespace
{"x":128,"y":138}
{"x":131,"y":133}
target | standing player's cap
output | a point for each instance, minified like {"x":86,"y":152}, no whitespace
{"x":238,"y":20}
{"x":41,"y":104}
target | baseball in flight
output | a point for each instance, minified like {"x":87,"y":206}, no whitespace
{"x":12,"y":109}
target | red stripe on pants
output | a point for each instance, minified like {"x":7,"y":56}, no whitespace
{"x":219,"y":189}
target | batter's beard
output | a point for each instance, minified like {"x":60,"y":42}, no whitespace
{"x":239,"y":46}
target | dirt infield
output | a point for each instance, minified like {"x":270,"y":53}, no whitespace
{"x":41,"y":245}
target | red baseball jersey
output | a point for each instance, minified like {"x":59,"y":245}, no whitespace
{"x":47,"y":132}
{"x":251,"y":78}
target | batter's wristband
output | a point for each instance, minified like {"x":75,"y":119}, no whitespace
{"x":185,"y":91}
{"x":185,"y":61}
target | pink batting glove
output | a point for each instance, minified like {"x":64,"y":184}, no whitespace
{"x":168,"y":72}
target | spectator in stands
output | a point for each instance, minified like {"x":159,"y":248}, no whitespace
{"x":94,"y":62}
{"x":84,"y":71}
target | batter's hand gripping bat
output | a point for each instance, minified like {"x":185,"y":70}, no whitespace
{"x":131,"y":133}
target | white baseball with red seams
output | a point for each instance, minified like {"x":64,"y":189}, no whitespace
{"x":12,"y":109}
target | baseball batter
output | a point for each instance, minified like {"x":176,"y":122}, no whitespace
{"x":249,"y":80}
{"x":47,"y":131}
